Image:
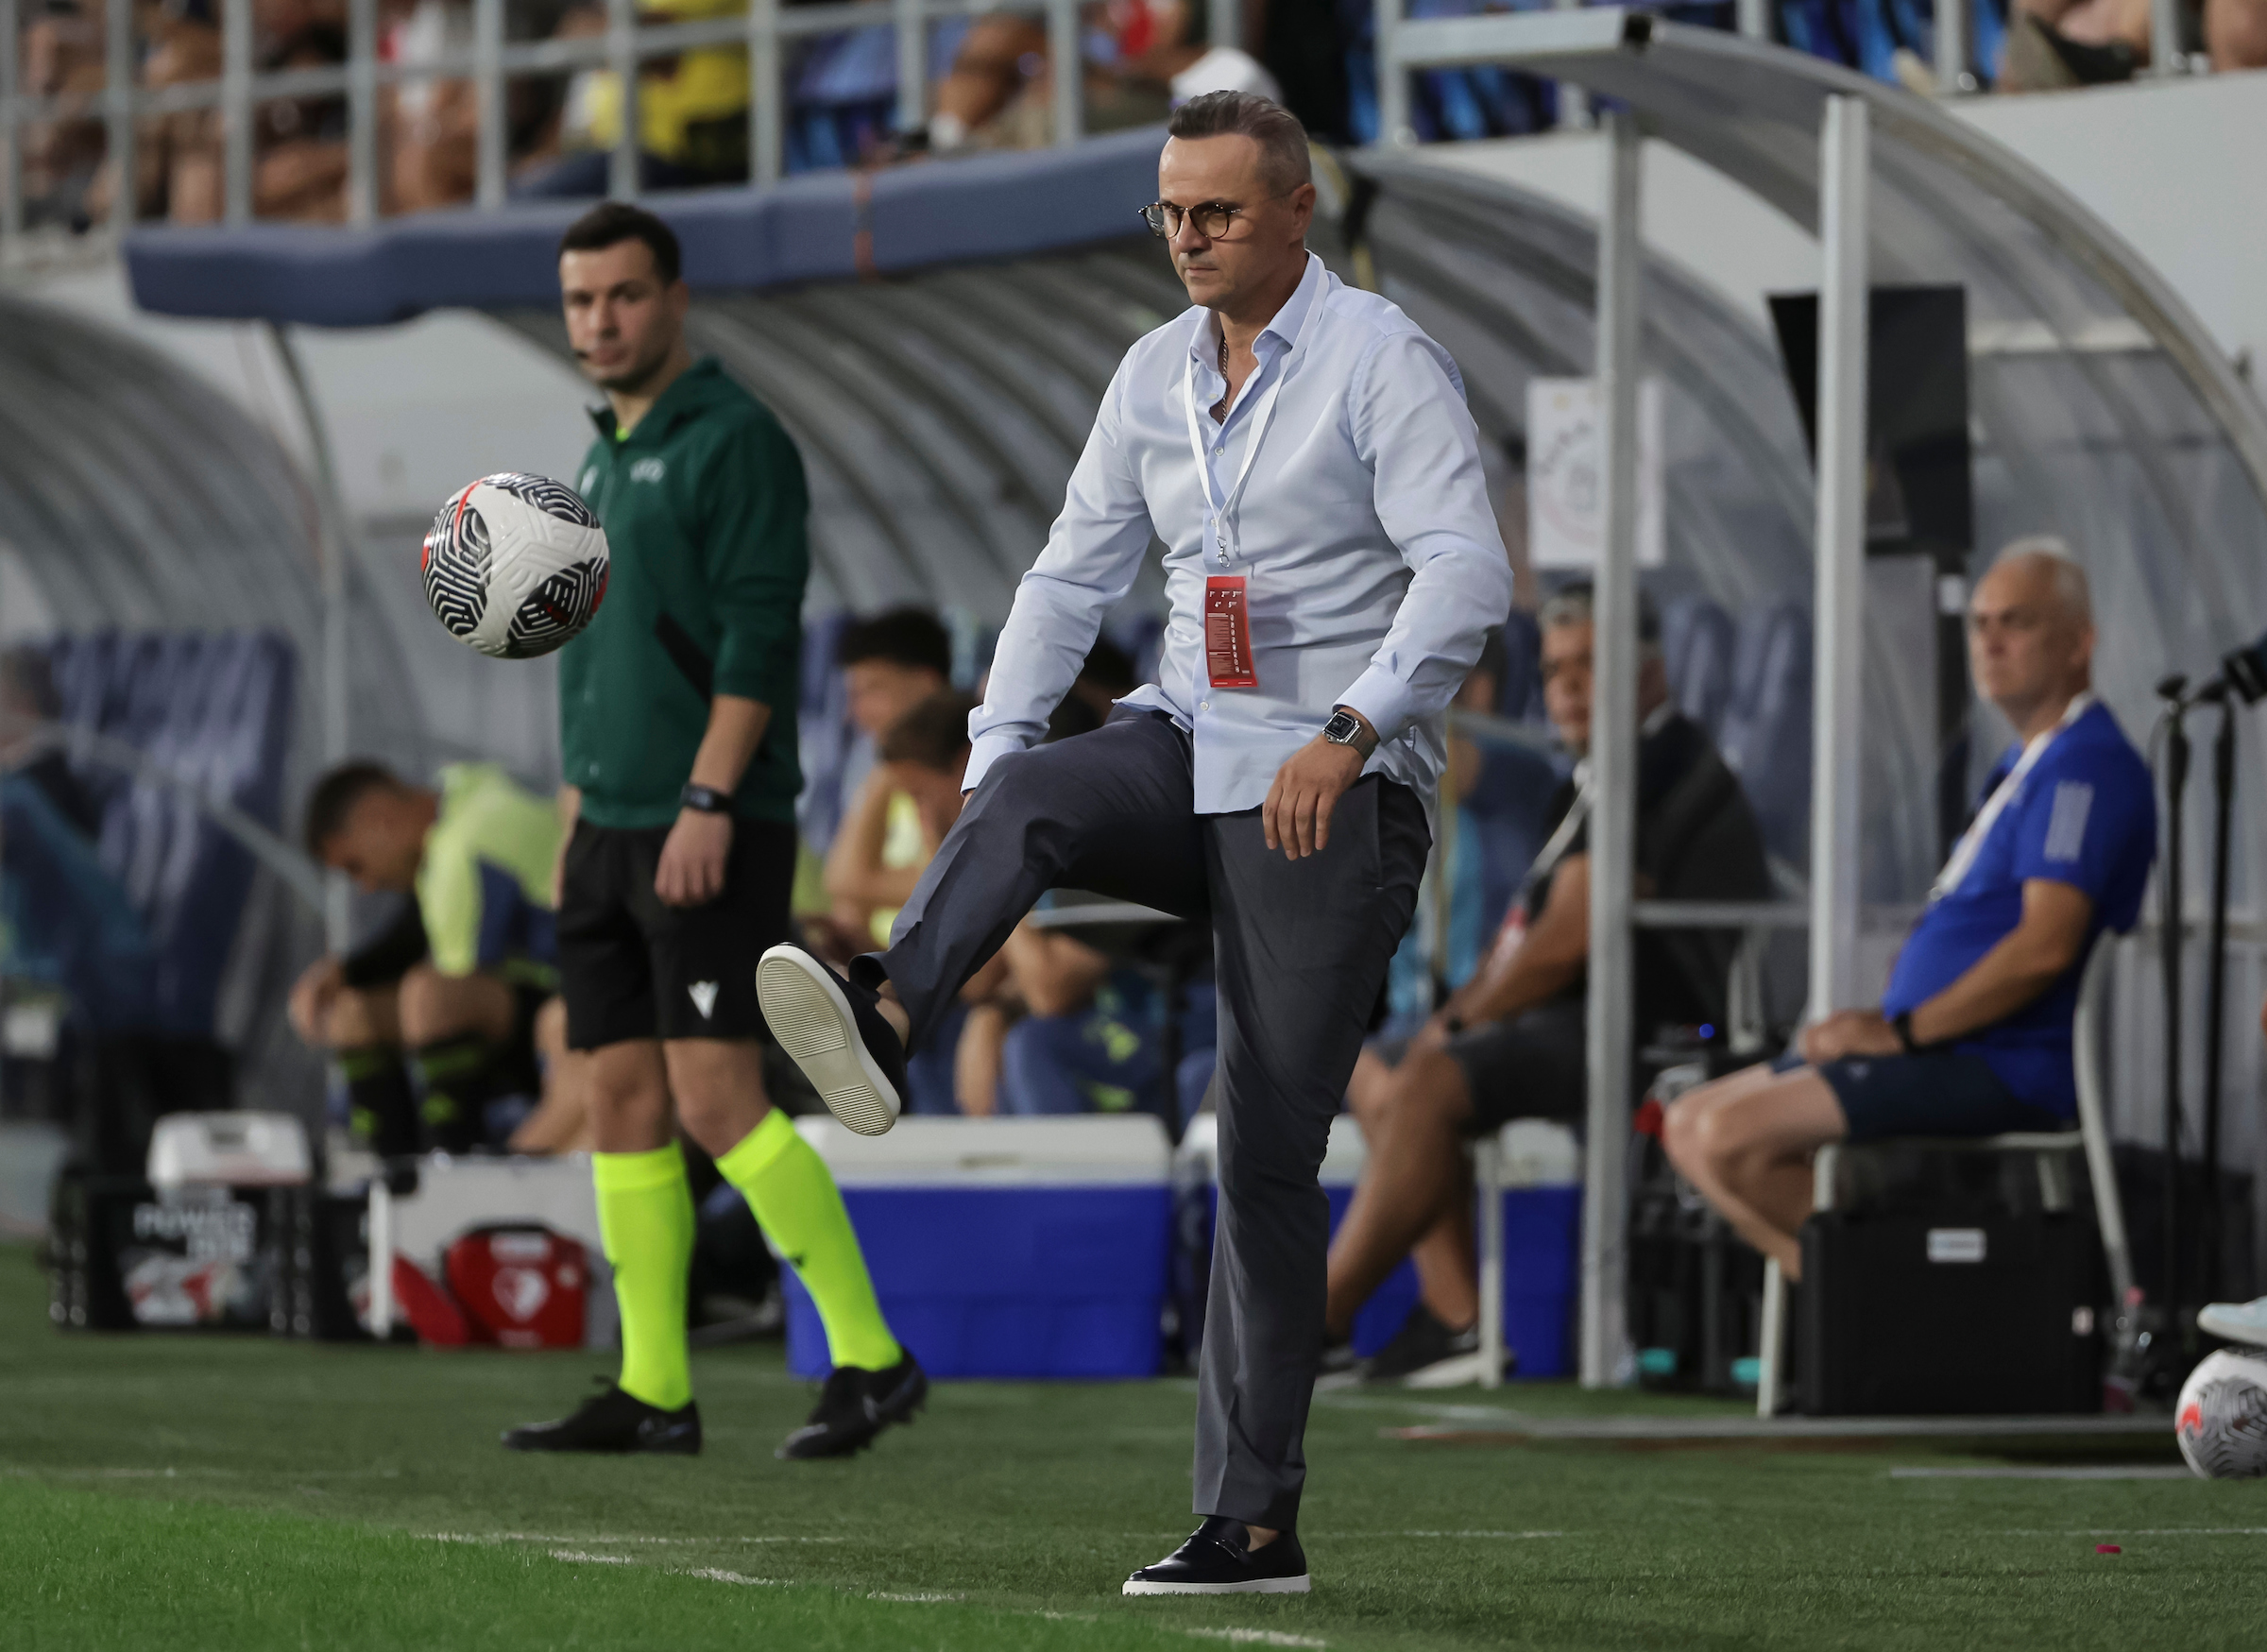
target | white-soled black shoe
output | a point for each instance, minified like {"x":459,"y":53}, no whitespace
{"x":1217,"y":1559}
{"x":831,"y":1029}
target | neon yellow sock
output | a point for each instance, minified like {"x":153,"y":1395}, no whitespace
{"x":788,"y":1186}
{"x":645,"y":1217}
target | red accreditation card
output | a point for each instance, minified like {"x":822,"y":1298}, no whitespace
{"x":1228,"y":632}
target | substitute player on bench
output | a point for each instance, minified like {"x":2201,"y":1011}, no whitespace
{"x":677,"y":723}
{"x":1304,"y":453}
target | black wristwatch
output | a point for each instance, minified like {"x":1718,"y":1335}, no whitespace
{"x":1344,"y":729}
{"x":705,"y":799}
{"x":1901,"y":1023}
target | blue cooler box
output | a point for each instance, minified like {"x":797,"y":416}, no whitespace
{"x":1020,"y":1248}
{"x":1542,"y":1218}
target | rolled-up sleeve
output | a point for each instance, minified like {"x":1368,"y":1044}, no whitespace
{"x":1093,"y":552}
{"x":1412,"y":429}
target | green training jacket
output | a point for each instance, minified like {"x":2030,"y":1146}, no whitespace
{"x":704,"y":506}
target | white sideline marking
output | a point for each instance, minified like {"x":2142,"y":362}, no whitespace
{"x":1069,"y":1617}
{"x":714,"y":1574}
{"x":538,"y":1536}
{"x":1257,"y":1637}
{"x":915,"y":1599}
{"x":1462,"y":1534}
{"x":583,"y":1557}
{"x":2096,"y":1472}
{"x":2142,"y":1531}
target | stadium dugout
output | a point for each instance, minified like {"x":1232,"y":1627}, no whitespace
{"x":936,"y":337}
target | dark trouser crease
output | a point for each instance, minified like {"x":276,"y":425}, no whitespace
{"x":1301,"y":949}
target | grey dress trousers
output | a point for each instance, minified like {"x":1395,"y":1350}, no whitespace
{"x":1299,"y":948}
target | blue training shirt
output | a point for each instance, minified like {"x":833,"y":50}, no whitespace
{"x":2085,"y":815}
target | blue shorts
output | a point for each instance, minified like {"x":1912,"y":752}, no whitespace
{"x":1933,"y":1092}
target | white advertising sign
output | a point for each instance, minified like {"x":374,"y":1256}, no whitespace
{"x":1565,"y":480}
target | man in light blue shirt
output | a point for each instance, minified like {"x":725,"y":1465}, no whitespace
{"x":1304,"y":453}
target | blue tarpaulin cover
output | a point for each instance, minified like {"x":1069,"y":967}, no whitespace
{"x":807,"y":229}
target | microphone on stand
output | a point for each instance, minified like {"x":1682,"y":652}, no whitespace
{"x":2242,"y":670}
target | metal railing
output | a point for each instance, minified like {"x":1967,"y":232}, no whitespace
{"x":489,"y":63}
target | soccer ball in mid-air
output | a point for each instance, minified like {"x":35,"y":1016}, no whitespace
{"x":515,"y":565}
{"x":2222,"y":1421}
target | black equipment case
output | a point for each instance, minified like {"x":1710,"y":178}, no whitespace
{"x":1949,"y":1313}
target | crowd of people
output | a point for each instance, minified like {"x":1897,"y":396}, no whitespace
{"x":990,"y":88}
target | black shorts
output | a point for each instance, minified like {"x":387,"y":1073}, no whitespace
{"x":631,"y":968}
{"x":1532,"y":1066}
{"x":1931,"y":1092}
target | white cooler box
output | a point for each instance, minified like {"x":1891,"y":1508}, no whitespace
{"x":1030,"y":1248}
{"x":456,"y":1194}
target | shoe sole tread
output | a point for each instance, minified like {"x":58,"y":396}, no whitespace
{"x":814,"y":1024}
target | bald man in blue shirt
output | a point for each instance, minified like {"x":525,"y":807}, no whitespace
{"x":1973,"y":1036}
{"x":1303,"y":451}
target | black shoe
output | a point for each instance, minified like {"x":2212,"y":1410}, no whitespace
{"x":856,"y":1404}
{"x":831,"y":1028}
{"x":1216,"y":1560}
{"x":1423,"y":1341}
{"x":613,"y":1421}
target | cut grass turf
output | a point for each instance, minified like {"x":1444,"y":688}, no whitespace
{"x":241,"y":1493}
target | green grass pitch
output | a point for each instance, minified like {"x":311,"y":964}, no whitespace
{"x":241,"y":1493}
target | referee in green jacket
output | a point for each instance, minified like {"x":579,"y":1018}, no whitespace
{"x":677,"y":723}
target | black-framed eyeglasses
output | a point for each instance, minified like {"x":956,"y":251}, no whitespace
{"x":1211,"y":218}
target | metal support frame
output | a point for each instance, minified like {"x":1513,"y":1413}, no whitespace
{"x":362,"y":191}
{"x":1227,"y":23}
{"x":332,"y":544}
{"x":491,"y":61}
{"x":1574,"y":101}
{"x":1614,"y":736}
{"x":488,"y":157}
{"x":11,"y":136}
{"x":1838,"y":748}
{"x":118,"y":107}
{"x":1394,"y":127}
{"x":236,"y":105}
{"x":1753,"y":18}
{"x":1066,"y":72}
{"x":912,"y":63}
{"x":767,"y":94}
{"x":1954,"y":30}
{"x":2165,"y":55}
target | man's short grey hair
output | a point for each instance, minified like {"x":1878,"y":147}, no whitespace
{"x":1284,"y":160}
{"x":1577,"y":604}
{"x":2067,"y":574}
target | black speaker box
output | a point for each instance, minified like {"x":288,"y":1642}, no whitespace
{"x":1949,"y":1314}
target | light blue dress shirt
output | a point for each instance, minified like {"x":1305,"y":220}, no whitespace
{"x":1363,"y":528}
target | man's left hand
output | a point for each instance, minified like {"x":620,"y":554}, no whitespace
{"x":1849,"y":1032}
{"x":692,"y":872}
{"x":1296,"y":816}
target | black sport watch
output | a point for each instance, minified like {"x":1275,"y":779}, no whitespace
{"x":705,"y":799}
{"x":1344,"y":729}
{"x":1901,"y":1023}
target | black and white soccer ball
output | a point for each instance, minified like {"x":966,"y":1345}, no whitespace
{"x":2221,"y":1421}
{"x":515,"y":565}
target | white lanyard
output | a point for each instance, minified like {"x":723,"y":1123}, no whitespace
{"x":1972,"y":841}
{"x":1259,"y":430}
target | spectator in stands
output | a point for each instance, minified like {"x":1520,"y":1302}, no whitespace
{"x":1973,"y":1036}
{"x":1511,"y":1042}
{"x":62,"y":58}
{"x":2055,"y":44}
{"x":465,"y":982}
{"x":436,"y":123}
{"x":1147,"y":56}
{"x":924,"y":755}
{"x":27,"y":701}
{"x":2234,"y":32}
{"x":692,"y":112}
{"x":891,"y":663}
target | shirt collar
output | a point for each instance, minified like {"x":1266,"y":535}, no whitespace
{"x":1289,"y":325}
{"x":683,"y":397}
